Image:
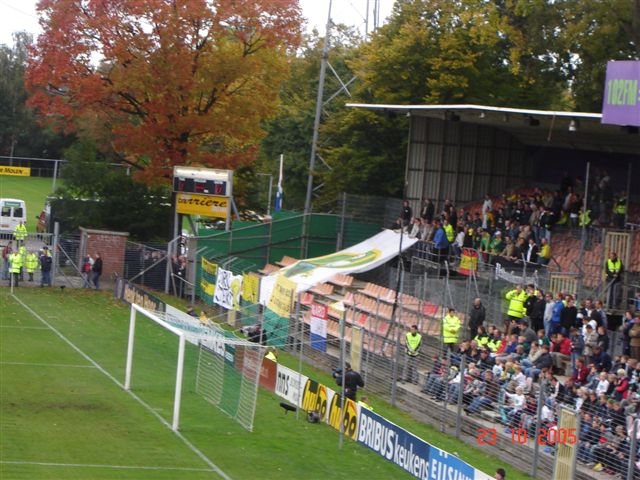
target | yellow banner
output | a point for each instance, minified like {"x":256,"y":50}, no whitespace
{"x":209,"y":267}
{"x":349,"y":417}
{"x":207,"y":287}
{"x":205,"y":205}
{"x":15,"y":171}
{"x":250,"y":286}
{"x":282,"y":296}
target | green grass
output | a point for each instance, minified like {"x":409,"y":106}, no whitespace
{"x":33,"y":190}
{"x":52,"y":413}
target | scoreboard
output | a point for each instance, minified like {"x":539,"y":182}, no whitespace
{"x":202,"y":181}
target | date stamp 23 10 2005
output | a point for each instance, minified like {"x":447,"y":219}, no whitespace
{"x":519,"y":436}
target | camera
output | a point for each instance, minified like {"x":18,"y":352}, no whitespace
{"x":335,"y":372}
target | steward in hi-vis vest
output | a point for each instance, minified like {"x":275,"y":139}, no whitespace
{"x":413,"y":343}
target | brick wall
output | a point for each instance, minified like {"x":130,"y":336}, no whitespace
{"x":110,"y":246}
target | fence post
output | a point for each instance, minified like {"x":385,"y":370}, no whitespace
{"x":536,"y":448}
{"x":54,"y":253}
{"x":300,"y":343}
{"x":447,"y":368}
{"x":632,"y":449}
{"x":343,"y":362}
{"x":463,"y":363}
{"x":343,"y":213}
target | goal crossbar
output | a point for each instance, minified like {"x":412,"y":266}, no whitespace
{"x":181,"y":348}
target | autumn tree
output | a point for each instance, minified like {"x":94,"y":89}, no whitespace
{"x":174,"y":81}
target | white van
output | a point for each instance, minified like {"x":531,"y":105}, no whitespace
{"x":12,"y":212}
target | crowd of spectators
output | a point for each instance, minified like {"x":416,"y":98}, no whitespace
{"x":551,"y":346}
{"x":517,"y":227}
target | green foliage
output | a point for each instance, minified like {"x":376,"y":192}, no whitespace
{"x":99,"y":194}
{"x":20,"y":133}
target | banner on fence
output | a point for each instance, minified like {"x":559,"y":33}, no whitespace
{"x":290,"y":385}
{"x":268,"y":374}
{"x":207,"y":288}
{"x":15,"y":171}
{"x":250,"y":287}
{"x":349,"y":417}
{"x":282,"y":295}
{"x":318,"y":326}
{"x":362,"y":257}
{"x":130,"y":293}
{"x":228,"y":287}
{"x":468,"y":261}
{"x":204,"y":205}
{"x":209,"y":267}
{"x":315,"y":398}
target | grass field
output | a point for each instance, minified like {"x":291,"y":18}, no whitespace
{"x":33,"y":190}
{"x":63,"y":413}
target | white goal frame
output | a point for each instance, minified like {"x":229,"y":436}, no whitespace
{"x":179,"y":369}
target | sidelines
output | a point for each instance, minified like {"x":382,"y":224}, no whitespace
{"x":89,"y":465}
{"x":23,"y":328}
{"x":59,"y":365}
{"x":192,"y":447}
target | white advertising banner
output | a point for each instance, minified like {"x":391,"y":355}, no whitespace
{"x":362,"y":257}
{"x":290,"y":385}
{"x":228,"y":289}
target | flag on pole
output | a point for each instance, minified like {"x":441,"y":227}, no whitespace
{"x":279,"y":190}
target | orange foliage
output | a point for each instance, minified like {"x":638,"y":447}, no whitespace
{"x":175,"y":81}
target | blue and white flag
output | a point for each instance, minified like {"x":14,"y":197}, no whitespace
{"x":279,"y":190}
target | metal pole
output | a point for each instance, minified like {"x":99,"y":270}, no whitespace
{"x":132,"y":330}
{"x":11,"y":277}
{"x":55,"y":175}
{"x":342,"y":215}
{"x":270,"y":193}
{"x":463,"y":364}
{"x":300,"y":344}
{"x":168,"y":270}
{"x":178,"y":394}
{"x":342,"y":366}
{"x":54,"y":253}
{"x":634,"y":431}
{"x":396,"y":324}
{"x":583,"y":241}
{"x":316,"y":123}
{"x":628,"y":192}
{"x":536,"y":448}
{"x":447,"y":368}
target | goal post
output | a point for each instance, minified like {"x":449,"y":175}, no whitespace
{"x":180,"y":366}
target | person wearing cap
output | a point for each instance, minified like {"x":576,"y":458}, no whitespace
{"x":352,"y":380}
{"x":45,"y":267}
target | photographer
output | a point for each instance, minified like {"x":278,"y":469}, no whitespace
{"x":352,"y":380}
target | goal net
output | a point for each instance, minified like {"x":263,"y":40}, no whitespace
{"x":228,"y":369}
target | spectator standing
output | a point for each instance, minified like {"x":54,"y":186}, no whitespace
{"x":568,"y":316}
{"x":413,"y":343}
{"x":428,"y":210}
{"x":20,"y":234}
{"x":558,"y":306}
{"x":6,"y":253}
{"x":31,"y":264}
{"x":613,"y":270}
{"x":45,"y":266}
{"x":440,"y":243}
{"x":531,"y":255}
{"x":634,"y":338}
{"x":406,"y":213}
{"x":477,"y":316}
{"x":96,"y":271}
{"x":544,"y":256}
{"x":620,"y":211}
{"x":450,"y":327}
{"x":486,"y":208}
{"x":627,"y":324}
{"x":516,"y":311}
{"x":15,"y":260}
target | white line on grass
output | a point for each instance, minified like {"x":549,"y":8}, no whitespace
{"x":89,"y":465}
{"x":23,"y":327}
{"x":60,"y":365}
{"x":192,"y":447}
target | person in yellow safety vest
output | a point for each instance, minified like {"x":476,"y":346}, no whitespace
{"x":20,"y":233}
{"x":482,"y":339}
{"x":413,"y":343}
{"x":584,"y":218}
{"x":495,"y":341}
{"x":31,"y":263}
{"x":544,"y":256}
{"x":516,"y":310}
{"x":614,"y":271}
{"x":620,"y":211}
{"x":15,"y":267}
{"x":364,"y":403}
{"x":271,"y":355}
{"x":22,"y":251}
{"x":450,"y":326}
{"x":448,"y":230}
